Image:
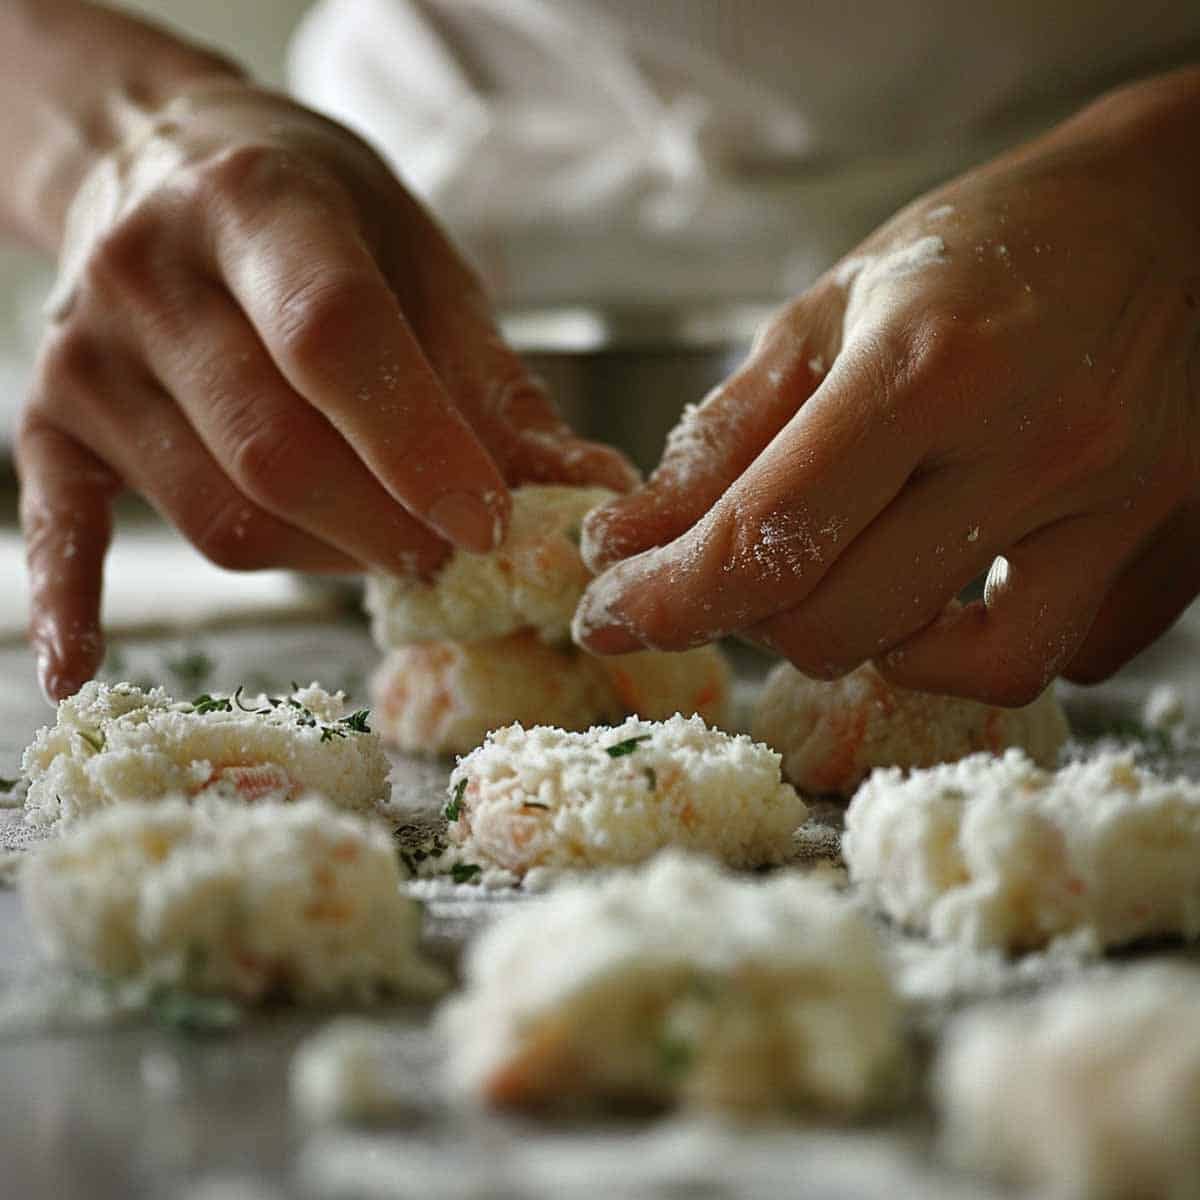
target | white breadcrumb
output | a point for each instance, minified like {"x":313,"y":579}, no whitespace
{"x":533,"y":581}
{"x":997,"y":852}
{"x":118,"y":743}
{"x":1089,"y":1093}
{"x":832,"y":735}
{"x":446,"y":697}
{"x":227,"y":898}
{"x":351,"y":1070}
{"x":546,"y":797}
{"x":678,"y":983}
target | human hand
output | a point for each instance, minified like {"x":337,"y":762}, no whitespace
{"x":1013,"y":370}
{"x":259,"y":330}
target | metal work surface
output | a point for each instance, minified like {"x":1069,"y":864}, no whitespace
{"x":98,"y":1110}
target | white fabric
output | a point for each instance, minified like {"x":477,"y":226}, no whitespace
{"x":593,"y":149}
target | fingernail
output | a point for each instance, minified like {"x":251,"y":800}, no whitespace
{"x":467,"y":521}
{"x":596,"y":623}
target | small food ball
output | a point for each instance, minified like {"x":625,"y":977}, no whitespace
{"x":446,"y":697}
{"x":118,"y":743}
{"x":832,"y":735}
{"x":997,"y":852}
{"x":546,"y":797}
{"x":679,"y":984}
{"x":1089,"y":1093}
{"x":533,"y":581}
{"x":216,"y":897}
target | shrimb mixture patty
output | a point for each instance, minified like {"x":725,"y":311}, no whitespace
{"x":219,"y":897}
{"x":117,"y":743}
{"x":546,"y":797}
{"x":997,"y":852}
{"x":833,"y":734}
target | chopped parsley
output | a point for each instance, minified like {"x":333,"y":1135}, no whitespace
{"x":356,"y":722}
{"x":93,"y":738}
{"x":190,"y":1013}
{"x":454,"y":808}
{"x":675,"y":1055}
{"x":621,"y":749}
{"x":651,"y":778}
{"x":464,"y":872}
{"x":536,"y":804}
{"x":7,"y":785}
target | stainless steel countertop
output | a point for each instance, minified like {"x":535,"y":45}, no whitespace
{"x":138,"y":1111}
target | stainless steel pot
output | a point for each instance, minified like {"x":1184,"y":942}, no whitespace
{"x":623,"y":375}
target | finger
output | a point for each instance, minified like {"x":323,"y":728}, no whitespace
{"x":508,"y":408}
{"x":1144,"y":601}
{"x":899,"y":574}
{"x":279,"y":450}
{"x":773,"y":535}
{"x":715,"y":441}
{"x":128,"y":422}
{"x":1040,"y":602}
{"x":334,"y":328}
{"x":66,"y":515}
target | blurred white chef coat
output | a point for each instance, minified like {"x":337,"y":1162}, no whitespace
{"x":591,"y":149}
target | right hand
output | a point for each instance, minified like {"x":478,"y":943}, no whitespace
{"x":267,"y":337}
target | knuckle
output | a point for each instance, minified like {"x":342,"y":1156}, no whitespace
{"x":318,"y":317}
{"x":124,"y":261}
{"x":71,"y":361}
{"x":247,"y":178}
{"x":226,"y":536}
{"x":265,"y":464}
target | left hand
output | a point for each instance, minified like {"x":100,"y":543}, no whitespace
{"x":1009,"y":367}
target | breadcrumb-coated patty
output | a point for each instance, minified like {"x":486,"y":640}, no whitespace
{"x":115,"y":743}
{"x":532,"y":581}
{"x":678,"y":983}
{"x":547,"y":797}
{"x":832,"y":734}
{"x":997,"y":852}
{"x":220,"y":897}
{"x":1091,"y":1092}
{"x":445,"y":697}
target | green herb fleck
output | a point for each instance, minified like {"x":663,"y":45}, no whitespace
{"x":675,"y":1055}
{"x":454,"y":808}
{"x":210,"y":704}
{"x":192,"y":669}
{"x":574,"y":534}
{"x":464,"y":872}
{"x":7,"y":785}
{"x":95,"y":738}
{"x":237,"y":699}
{"x":536,"y":804}
{"x":356,"y":722}
{"x":189,"y":1013}
{"x":621,"y":749}
{"x":329,"y":732}
{"x":1128,"y":730}
{"x":651,"y":778}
